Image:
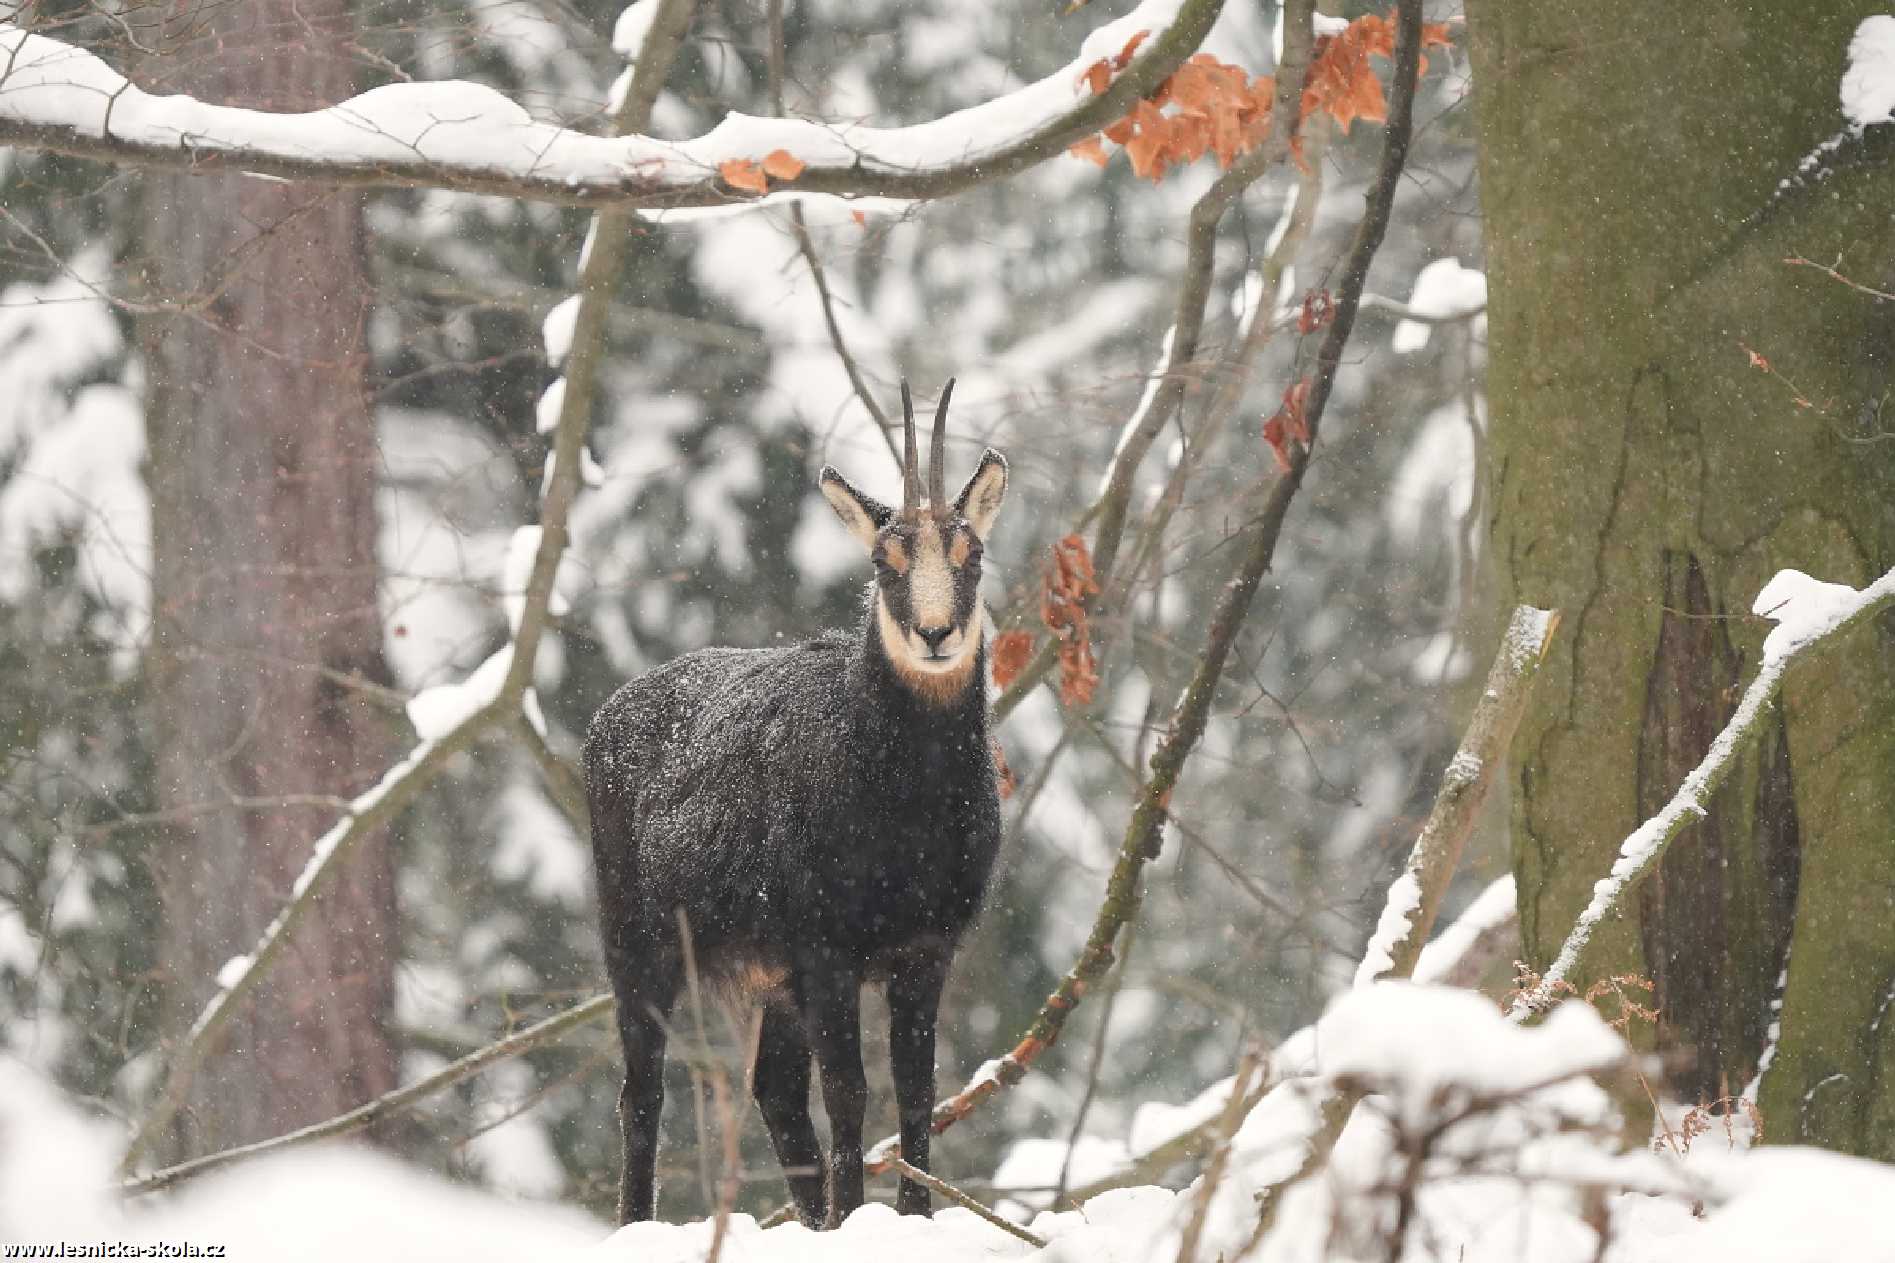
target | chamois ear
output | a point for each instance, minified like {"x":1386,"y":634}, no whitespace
{"x":980,"y":499}
{"x":863,"y":515}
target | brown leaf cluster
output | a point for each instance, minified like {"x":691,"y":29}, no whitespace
{"x":1289,"y":424}
{"x":1011,"y":651}
{"x":1218,"y":108}
{"x":1206,"y":106}
{"x":1068,"y":582}
{"x":1341,"y":82}
{"x":754,"y":177}
{"x":1318,"y":310}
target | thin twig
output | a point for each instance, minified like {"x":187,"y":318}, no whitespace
{"x":1096,"y":1062}
{"x":1830,"y":271}
{"x":959,"y":1198}
{"x":807,"y":247}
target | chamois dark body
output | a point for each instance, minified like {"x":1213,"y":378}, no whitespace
{"x":819,"y":818}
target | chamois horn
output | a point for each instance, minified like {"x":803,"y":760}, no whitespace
{"x":937,"y":457}
{"x":910,"y":474}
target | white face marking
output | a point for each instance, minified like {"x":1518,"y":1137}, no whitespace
{"x":931,"y":581}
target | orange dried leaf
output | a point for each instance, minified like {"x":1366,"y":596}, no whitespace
{"x":1012,"y":651}
{"x":1273,"y":435}
{"x":1003,"y":775}
{"x":1124,"y":58}
{"x":861,"y":220}
{"x":1090,"y":149}
{"x":1068,"y":581}
{"x":1295,"y":422}
{"x":1097,"y":76}
{"x":742,"y":173}
{"x":781,"y":164}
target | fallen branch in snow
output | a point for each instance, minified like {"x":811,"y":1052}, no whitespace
{"x":499,"y":689}
{"x":365,"y":1115}
{"x":467,"y":138}
{"x":1165,"y":391}
{"x":1809,"y":614}
{"x":961,"y":1199}
{"x":1415,"y":896}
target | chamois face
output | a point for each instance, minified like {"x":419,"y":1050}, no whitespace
{"x":926,"y":599}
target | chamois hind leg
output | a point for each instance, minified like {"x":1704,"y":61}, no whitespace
{"x":914,"y":998}
{"x":645,"y":994}
{"x":782,"y":1091}
{"x":829,"y":990}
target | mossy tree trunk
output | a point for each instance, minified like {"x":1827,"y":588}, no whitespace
{"x":1648,"y":477}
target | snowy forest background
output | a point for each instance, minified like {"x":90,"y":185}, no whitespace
{"x":1049,"y":296}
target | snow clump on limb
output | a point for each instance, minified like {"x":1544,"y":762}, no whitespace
{"x":1868,"y":86}
{"x":1444,"y":290}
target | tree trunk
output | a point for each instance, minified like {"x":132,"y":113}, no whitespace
{"x":1648,"y":478}
{"x":262,"y":470}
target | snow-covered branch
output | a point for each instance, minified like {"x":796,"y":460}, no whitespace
{"x":449,"y":718}
{"x":1416,"y":895}
{"x":470,"y":138}
{"x":1808,"y":614}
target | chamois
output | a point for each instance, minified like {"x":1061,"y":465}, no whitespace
{"x":814,"y":818}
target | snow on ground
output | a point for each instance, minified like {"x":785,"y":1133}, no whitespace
{"x":1495,"y":1129}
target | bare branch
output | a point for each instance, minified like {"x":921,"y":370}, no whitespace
{"x":959,"y":1198}
{"x":535,"y":1036}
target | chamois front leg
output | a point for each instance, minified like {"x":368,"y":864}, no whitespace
{"x":914,"y":998}
{"x":782,"y":1092}
{"x":831,"y":993}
